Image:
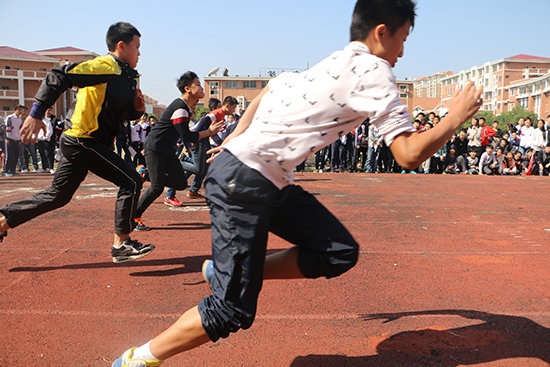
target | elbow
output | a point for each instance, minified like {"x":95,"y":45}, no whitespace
{"x":411,"y":160}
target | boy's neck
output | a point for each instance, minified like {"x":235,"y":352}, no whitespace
{"x":189,"y":99}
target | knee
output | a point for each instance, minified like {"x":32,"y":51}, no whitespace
{"x":220,"y":318}
{"x":332,"y":264}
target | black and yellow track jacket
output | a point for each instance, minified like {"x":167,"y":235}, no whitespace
{"x":104,"y":101}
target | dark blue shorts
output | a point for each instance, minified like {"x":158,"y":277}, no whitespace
{"x":244,"y":207}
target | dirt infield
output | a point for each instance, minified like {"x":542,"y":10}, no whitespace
{"x":453,"y":272}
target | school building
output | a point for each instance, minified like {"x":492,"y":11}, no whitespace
{"x":22,"y":72}
{"x":521,"y":80}
{"x":246,"y":88}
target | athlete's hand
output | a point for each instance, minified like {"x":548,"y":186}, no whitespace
{"x":216,"y":127}
{"x":214,"y":151}
{"x":139,"y":100}
{"x":466,"y":102}
{"x":30,"y":129}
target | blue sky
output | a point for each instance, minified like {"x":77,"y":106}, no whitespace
{"x":245,"y":36}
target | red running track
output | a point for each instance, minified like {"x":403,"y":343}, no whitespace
{"x":453,"y":272}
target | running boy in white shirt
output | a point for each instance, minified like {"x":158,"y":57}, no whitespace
{"x":250,"y":189}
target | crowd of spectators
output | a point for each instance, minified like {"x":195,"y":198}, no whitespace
{"x":479,"y":149}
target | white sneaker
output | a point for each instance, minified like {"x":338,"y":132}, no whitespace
{"x":25,"y":171}
{"x":40,"y":170}
{"x":52,"y":171}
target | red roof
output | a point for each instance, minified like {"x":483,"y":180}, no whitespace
{"x":528,"y":57}
{"x":10,"y":51}
{"x":64,"y":49}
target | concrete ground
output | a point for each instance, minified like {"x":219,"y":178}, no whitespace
{"x":453,"y":272}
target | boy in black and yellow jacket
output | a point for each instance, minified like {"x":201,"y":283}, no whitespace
{"x":107,"y":97}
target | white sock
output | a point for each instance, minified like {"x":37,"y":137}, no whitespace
{"x":144,"y":353}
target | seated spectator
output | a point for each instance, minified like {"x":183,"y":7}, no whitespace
{"x":461,"y":143}
{"x":518,"y":158}
{"x":451,"y":165}
{"x":544,"y":165}
{"x":472,"y":163}
{"x":515,"y":142}
{"x":530,"y":167}
{"x":500,"y":159}
{"x":509,"y":165}
{"x":504,"y":145}
{"x":488,"y":164}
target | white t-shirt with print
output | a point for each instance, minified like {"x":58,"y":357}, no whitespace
{"x":303,"y":112}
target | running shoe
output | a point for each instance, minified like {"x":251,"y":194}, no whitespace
{"x":140,"y":226}
{"x":173,"y":202}
{"x":208,"y":270}
{"x":130,"y":250}
{"x":194,"y":195}
{"x":126,"y":361}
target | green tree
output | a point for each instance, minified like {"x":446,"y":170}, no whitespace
{"x":512,"y":117}
{"x":199,"y":110}
{"x":487,"y":115}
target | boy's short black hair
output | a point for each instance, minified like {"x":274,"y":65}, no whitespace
{"x":213,"y":103}
{"x":185,"y":80}
{"x":120,"y":31}
{"x":370,"y":13}
{"x":230,"y":100}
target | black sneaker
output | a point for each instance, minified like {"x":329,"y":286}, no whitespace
{"x":2,"y":235}
{"x":130,"y":250}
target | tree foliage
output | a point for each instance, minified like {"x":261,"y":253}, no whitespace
{"x":199,"y":110}
{"x":507,"y":117}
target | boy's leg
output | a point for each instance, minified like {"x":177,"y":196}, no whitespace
{"x":203,"y":147}
{"x":324,"y":245}
{"x":105,"y":163}
{"x":65,"y":183}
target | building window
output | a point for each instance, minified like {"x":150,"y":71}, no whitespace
{"x":403,"y":95}
{"x":214,"y":92}
{"x":6,"y":108}
{"x":264,"y":84}
{"x":250,"y":85}
{"x":5,"y":87}
{"x":214,"y":85}
{"x":8,"y":68}
{"x":232,"y":84}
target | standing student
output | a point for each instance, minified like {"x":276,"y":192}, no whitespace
{"x":108,"y":96}
{"x":198,"y":152}
{"x":163,"y":165}
{"x":13,"y":140}
{"x":250,"y":187}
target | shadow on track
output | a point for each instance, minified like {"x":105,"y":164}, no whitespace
{"x":498,"y":337}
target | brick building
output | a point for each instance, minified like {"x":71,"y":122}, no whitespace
{"x":430,"y":86}
{"x":244,"y":88}
{"x":22,"y":72}
{"x":497,"y":77}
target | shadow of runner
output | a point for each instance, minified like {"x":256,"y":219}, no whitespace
{"x":498,"y":337}
{"x":189,"y":264}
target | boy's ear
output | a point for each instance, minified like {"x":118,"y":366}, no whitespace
{"x":120,"y":46}
{"x":380,"y":31}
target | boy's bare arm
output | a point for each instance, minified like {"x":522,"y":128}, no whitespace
{"x":411,"y":149}
{"x":244,"y":123}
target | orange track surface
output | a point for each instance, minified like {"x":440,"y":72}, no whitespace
{"x":454,"y":271}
